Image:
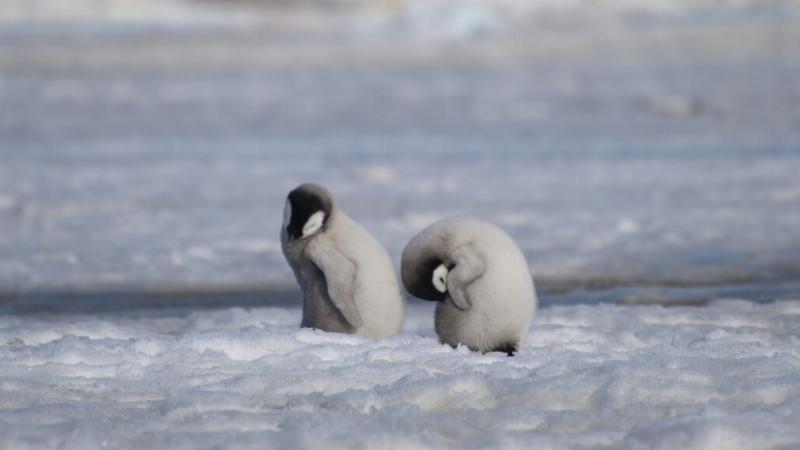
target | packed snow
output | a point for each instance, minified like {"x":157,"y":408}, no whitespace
{"x":602,"y":376}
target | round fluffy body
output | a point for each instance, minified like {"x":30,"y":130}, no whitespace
{"x":489,"y":297}
{"x":347,"y":278}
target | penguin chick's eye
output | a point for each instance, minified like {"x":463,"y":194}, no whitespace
{"x":287,"y":213}
{"x":440,"y":278}
{"x":313,"y":224}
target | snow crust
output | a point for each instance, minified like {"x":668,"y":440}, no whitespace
{"x":603,"y":376}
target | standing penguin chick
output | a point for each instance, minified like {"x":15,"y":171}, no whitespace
{"x":346,"y":276}
{"x":479,"y":277}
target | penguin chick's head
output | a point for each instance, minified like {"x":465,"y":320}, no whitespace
{"x":427,"y":279}
{"x":439,"y":278}
{"x":308,"y":208}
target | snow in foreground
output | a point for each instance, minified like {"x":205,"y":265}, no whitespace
{"x":722,"y":376}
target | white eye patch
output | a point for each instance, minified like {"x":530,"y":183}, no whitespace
{"x":313,"y":224}
{"x":287,"y":213}
{"x":440,"y":278}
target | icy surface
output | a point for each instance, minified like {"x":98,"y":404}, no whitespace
{"x":611,"y":153}
{"x":603,"y":376}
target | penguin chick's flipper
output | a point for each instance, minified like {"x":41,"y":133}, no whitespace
{"x":340,"y":277}
{"x":468,"y":266}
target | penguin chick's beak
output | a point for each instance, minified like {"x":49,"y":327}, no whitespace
{"x":440,"y":278}
{"x":287,"y":214}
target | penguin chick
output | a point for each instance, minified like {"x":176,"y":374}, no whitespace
{"x":346,"y":277}
{"x":479,"y":277}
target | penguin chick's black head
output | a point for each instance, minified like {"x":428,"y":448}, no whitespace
{"x":418,"y":279}
{"x":308,"y":208}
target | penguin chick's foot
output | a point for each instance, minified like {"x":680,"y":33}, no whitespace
{"x":507,"y":348}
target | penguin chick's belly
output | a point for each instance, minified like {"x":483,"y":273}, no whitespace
{"x":383,"y":313}
{"x":488,"y":325}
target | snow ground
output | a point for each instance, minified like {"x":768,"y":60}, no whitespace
{"x":601,"y":376}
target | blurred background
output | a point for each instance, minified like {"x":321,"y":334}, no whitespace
{"x":638,"y":151}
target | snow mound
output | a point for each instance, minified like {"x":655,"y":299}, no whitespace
{"x":722,"y":376}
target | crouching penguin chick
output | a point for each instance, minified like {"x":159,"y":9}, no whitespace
{"x":480,"y":279}
{"x":346,"y":277}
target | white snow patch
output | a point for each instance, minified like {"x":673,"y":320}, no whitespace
{"x":722,"y":376}
{"x":7,"y":202}
{"x":380,"y":175}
